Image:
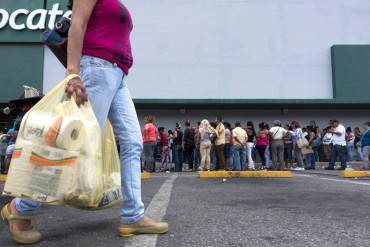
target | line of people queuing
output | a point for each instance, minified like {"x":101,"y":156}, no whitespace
{"x":219,"y":146}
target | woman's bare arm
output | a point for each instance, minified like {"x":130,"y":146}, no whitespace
{"x":81,"y":13}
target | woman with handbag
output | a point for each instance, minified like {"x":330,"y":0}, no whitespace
{"x":99,"y":51}
{"x":298,"y":143}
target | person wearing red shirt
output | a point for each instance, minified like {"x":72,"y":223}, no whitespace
{"x":150,"y":134}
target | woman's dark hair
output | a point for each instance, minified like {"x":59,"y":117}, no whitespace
{"x":349,"y":129}
{"x":295,"y":124}
{"x":170,"y":132}
{"x":262,"y":125}
{"x":250,"y":124}
{"x":227,"y":125}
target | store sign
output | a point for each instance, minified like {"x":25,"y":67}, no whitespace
{"x":35,"y":20}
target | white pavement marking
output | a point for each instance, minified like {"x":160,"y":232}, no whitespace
{"x":156,"y":210}
{"x":333,"y":179}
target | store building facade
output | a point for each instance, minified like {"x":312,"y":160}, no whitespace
{"x":246,"y":60}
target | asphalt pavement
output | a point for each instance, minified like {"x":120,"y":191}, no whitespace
{"x":310,"y":209}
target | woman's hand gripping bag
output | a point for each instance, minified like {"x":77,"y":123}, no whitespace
{"x":58,"y":155}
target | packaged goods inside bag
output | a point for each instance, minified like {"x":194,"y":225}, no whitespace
{"x":62,"y":157}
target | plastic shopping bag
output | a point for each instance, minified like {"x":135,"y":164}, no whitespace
{"x":62,"y":158}
{"x":302,"y":142}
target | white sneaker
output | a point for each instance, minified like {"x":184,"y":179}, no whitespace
{"x":298,"y":169}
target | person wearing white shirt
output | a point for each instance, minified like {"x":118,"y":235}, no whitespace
{"x":277,"y":133}
{"x":339,"y":146}
{"x":240,"y":141}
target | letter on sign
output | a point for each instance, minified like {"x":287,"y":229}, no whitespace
{"x":41,"y":23}
{"x":4,"y":18}
{"x":14,"y":16}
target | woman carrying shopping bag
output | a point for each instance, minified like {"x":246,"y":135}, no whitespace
{"x":99,"y":50}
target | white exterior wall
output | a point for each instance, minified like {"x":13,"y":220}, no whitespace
{"x":275,"y":49}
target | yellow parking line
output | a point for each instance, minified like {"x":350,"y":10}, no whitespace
{"x":355,"y":174}
{"x":245,"y":174}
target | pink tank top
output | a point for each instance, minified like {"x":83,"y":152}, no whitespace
{"x":263,"y":139}
{"x":108,"y":34}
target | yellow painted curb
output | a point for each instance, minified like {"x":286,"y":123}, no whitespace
{"x":145,"y":175}
{"x":246,"y":174}
{"x":355,"y":174}
{"x":2,"y":178}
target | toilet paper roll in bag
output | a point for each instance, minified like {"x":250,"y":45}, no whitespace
{"x":54,"y":130}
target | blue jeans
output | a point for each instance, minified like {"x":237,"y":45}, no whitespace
{"x":196,"y":158}
{"x":239,"y":157}
{"x":179,"y":158}
{"x":350,"y":150}
{"x":110,"y":97}
{"x":340,"y":151}
{"x":310,"y":160}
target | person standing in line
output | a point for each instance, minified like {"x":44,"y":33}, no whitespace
{"x":357,"y":143}
{"x":170,"y":145}
{"x":227,"y":147}
{"x":262,"y":143}
{"x":163,"y":143}
{"x":240,"y":142}
{"x":365,"y":145}
{"x":219,"y":144}
{"x":277,"y":133}
{"x":350,"y":141}
{"x":288,"y":147}
{"x":251,"y":133}
{"x":213,"y":147}
{"x":297,"y":133}
{"x":339,"y":146}
{"x":197,"y":148}
{"x":149,"y":134}
{"x":308,"y":151}
{"x":204,"y":135}
{"x":189,"y":145}
{"x":316,"y":142}
{"x":177,"y":145}
{"x":327,"y":142}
